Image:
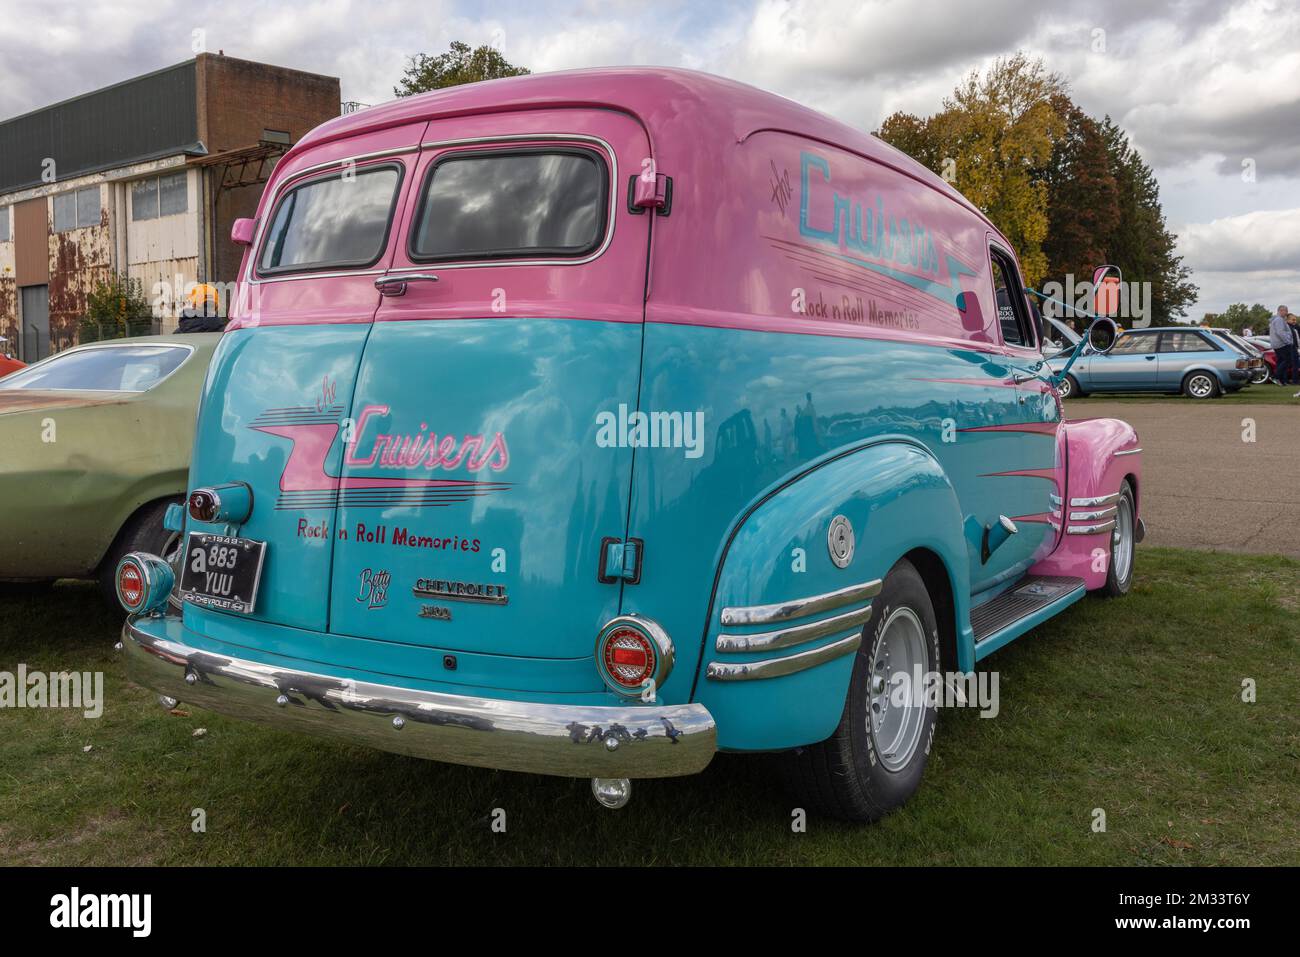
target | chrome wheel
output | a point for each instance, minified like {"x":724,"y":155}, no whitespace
{"x":1121,"y":541}
{"x":1200,"y":387}
{"x":897,"y":714}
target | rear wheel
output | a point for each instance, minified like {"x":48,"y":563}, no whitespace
{"x":1200,"y":385}
{"x":874,"y":761}
{"x":143,"y":532}
{"x":1119,"y":576}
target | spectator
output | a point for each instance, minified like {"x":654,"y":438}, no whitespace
{"x":1281,"y":338}
{"x":202,"y":312}
{"x":1295,"y":352}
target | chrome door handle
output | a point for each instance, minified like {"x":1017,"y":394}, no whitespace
{"x":396,"y":285}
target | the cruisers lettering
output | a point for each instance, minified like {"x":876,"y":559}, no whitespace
{"x":449,"y":590}
{"x":424,"y":449}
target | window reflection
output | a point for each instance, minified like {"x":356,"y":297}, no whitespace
{"x":491,"y":205}
{"x":332,"y":222}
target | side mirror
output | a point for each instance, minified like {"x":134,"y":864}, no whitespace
{"x":1102,"y":335}
{"x":241,"y":232}
{"x":1106,"y":282}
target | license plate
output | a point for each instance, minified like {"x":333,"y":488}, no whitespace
{"x":221,"y":572}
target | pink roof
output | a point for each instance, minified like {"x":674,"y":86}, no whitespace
{"x":676,"y":107}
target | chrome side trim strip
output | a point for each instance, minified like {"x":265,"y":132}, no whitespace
{"x":1091,"y":529}
{"x":1095,"y":515}
{"x":797,"y":635}
{"x":1095,"y":502}
{"x":800,"y":607}
{"x":776,"y":667}
{"x":1137,"y":451}
{"x":1055,"y":499}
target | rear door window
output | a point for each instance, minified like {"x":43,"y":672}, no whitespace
{"x":339,"y":220}
{"x":1184,"y":342}
{"x":500,"y":204}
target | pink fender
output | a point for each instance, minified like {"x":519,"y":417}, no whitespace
{"x":1101,"y":454}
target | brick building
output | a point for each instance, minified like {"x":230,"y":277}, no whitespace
{"x":143,"y":178}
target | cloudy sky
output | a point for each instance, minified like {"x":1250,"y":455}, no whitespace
{"x":1208,"y":90}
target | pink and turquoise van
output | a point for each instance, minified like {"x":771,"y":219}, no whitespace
{"x":592,"y":423}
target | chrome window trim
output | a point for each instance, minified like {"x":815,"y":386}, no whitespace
{"x":1137,"y":451}
{"x":800,"y":607}
{"x":797,"y":635}
{"x":614,"y":193}
{"x":117,"y":344}
{"x":1095,"y":501}
{"x":777,"y":667}
{"x":521,"y":138}
{"x":1094,"y":515}
{"x":249,"y":275}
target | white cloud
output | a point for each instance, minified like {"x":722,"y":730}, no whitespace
{"x":1199,"y":85}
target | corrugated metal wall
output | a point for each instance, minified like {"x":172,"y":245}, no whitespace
{"x":152,"y":115}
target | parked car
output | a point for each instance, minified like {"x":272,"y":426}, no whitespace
{"x":1267,"y":352}
{"x":1259,"y":370}
{"x":8,"y":363}
{"x":1174,"y":359}
{"x":629,"y":461}
{"x":1058,"y":337}
{"x":96,"y":443}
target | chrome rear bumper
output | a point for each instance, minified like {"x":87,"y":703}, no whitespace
{"x":567,"y":740}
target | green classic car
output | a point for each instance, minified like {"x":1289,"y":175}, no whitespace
{"x":94,"y":445}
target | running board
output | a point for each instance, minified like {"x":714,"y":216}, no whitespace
{"x":1032,"y":600}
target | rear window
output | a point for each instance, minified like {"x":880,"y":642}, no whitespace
{"x":102,"y":369}
{"x":338,"y":220}
{"x":545,"y":202}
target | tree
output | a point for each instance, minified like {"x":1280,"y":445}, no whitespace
{"x":992,"y":134}
{"x":1141,"y":244}
{"x":1082,"y":196}
{"x":914,"y":136}
{"x":115,"y":309}
{"x":1240,"y":316}
{"x":458,"y":65}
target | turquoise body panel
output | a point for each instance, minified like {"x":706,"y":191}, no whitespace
{"x":906,"y":440}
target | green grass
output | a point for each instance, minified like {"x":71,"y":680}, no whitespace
{"x":1132,"y":706}
{"x":1267,"y":394}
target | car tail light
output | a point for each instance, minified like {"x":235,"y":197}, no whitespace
{"x":1242,"y":363}
{"x":144,"y":582}
{"x":230,"y":503}
{"x":634,"y":654}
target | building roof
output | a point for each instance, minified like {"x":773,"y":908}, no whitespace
{"x":146,"y":117}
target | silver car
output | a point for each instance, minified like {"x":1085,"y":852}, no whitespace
{"x":1172,"y":359}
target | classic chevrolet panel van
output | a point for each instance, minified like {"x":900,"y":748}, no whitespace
{"x":591,"y":423}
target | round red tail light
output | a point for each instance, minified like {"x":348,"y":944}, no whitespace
{"x":144,"y":582}
{"x":629,"y":659}
{"x":633,"y":654}
{"x":130,"y":585}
